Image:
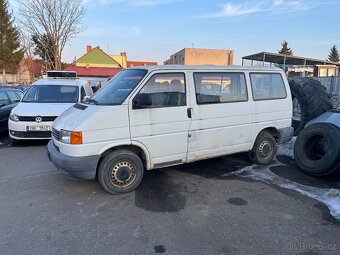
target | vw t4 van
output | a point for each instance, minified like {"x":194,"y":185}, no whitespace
{"x":159,"y":116}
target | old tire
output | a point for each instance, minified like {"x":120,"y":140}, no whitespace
{"x":335,"y":101}
{"x":317,"y":149}
{"x":120,"y":172}
{"x":264,"y":149}
{"x":311,"y":98}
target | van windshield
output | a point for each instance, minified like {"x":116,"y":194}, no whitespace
{"x":51,"y":94}
{"x":118,"y":88}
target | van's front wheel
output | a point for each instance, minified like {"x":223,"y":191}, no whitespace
{"x":120,"y":172}
{"x":264,"y":149}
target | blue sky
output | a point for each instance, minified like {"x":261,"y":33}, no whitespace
{"x":154,"y":29}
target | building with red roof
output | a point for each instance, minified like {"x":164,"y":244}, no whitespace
{"x":98,"y":66}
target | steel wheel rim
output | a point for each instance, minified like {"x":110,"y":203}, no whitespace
{"x":264,"y":146}
{"x":115,"y":174}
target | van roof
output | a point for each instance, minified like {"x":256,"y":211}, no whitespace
{"x":207,"y":67}
{"x":67,"y":82}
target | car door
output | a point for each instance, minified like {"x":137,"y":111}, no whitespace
{"x":159,"y":118}
{"x":222,"y":119}
{"x":5,"y":109}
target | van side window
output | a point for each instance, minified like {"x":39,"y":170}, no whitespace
{"x":215,"y":88}
{"x":267,"y":86}
{"x":162,"y":90}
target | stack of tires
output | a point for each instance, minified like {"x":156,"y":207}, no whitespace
{"x":317,"y":147}
{"x":310,"y":100}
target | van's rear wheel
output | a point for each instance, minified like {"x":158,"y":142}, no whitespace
{"x":120,"y":172}
{"x":264,"y":149}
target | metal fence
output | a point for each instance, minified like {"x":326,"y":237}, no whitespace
{"x":332,"y":84}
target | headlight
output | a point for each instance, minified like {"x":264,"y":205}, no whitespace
{"x":13,"y":117}
{"x":65,"y":136}
{"x":70,"y":137}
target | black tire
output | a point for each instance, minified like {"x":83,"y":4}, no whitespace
{"x":335,"y":101}
{"x":264,"y":149}
{"x":120,"y":172}
{"x":317,"y":149}
{"x":312,"y":98}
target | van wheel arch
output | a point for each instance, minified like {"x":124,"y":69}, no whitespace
{"x":133,"y":148}
{"x":271,"y":130}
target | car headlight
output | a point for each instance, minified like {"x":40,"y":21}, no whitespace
{"x":70,"y":137}
{"x":13,"y":117}
{"x":65,"y":136}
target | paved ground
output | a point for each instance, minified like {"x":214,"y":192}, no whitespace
{"x":191,"y":209}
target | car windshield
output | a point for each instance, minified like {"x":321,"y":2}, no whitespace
{"x":51,"y":94}
{"x":118,"y":88}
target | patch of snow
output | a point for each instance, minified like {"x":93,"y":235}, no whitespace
{"x":329,"y":197}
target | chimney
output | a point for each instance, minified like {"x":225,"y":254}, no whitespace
{"x":88,"y":48}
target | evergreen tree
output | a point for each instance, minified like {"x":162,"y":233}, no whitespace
{"x":285,"y":49}
{"x":10,"y":48}
{"x":43,"y":47}
{"x":333,"y":54}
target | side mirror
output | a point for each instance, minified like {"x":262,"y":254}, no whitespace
{"x":2,"y":105}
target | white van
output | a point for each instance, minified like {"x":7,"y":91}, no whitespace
{"x":43,"y":102}
{"x":159,"y":116}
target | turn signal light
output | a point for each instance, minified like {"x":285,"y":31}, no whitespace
{"x":76,"y":138}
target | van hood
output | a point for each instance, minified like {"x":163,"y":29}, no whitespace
{"x":92,"y":117}
{"x":40,"y":109}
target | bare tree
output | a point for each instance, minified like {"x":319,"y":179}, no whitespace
{"x":28,"y":48}
{"x":59,"y":20}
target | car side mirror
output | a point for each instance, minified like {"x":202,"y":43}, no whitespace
{"x":2,"y":105}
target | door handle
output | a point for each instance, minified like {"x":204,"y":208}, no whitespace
{"x":189,"y":113}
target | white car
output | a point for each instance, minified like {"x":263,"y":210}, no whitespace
{"x":43,"y":102}
{"x":159,"y":116}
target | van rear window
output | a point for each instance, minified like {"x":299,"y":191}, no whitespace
{"x":266,"y":86}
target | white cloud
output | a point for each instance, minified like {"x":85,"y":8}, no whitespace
{"x":230,"y":9}
{"x":278,"y":2}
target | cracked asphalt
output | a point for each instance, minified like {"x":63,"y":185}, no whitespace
{"x":188,"y":209}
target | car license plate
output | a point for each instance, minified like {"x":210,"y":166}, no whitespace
{"x":38,"y":128}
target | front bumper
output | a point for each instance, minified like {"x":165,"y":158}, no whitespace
{"x":80,"y":168}
{"x":18,"y":130}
